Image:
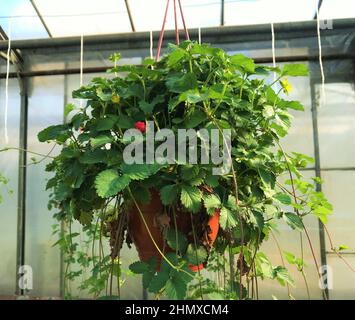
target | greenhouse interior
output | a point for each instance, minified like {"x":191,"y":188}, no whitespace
{"x":85,"y":85}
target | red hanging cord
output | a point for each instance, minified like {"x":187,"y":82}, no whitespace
{"x":176,"y":25}
{"x":161,"y":37}
{"x":183,"y":22}
{"x":162,"y":32}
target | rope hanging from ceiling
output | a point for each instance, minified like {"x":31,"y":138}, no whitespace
{"x":322,"y":97}
{"x":81,"y":63}
{"x":8,"y":58}
{"x":161,"y":36}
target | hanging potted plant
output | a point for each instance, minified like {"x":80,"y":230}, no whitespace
{"x":184,"y":203}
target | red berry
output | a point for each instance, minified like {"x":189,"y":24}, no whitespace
{"x":196,"y":268}
{"x":140,"y":125}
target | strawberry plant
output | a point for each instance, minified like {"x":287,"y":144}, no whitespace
{"x":192,"y":87}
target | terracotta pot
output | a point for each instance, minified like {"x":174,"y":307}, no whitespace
{"x":142,"y":240}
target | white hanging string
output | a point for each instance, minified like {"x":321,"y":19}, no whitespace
{"x":273,"y":48}
{"x":81,"y":63}
{"x":151,"y":44}
{"x":199,"y":35}
{"x":322,"y":97}
{"x":7,"y":84}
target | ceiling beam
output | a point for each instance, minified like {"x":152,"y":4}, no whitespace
{"x":222,"y":12}
{"x":130,"y":15}
{"x":15,"y":55}
{"x":41,"y":18}
{"x":320,"y":2}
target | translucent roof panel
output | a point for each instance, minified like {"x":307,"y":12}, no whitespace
{"x":148,"y":15}
{"x":24,"y":21}
{"x":337,"y":9}
{"x":92,"y":17}
{"x":74,"y":17}
{"x":246,"y":12}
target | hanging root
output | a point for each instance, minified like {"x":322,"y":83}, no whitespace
{"x":116,"y":229}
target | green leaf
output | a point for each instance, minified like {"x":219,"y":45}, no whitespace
{"x":91,"y":157}
{"x":264,"y":265}
{"x":178,"y":83}
{"x":147,"y":278}
{"x":104,"y":96}
{"x":53,"y":132}
{"x":295,"y":105}
{"x":100,"y":141}
{"x":141,"y":194}
{"x":322,"y":213}
{"x":217,"y":91}
{"x":68,"y":108}
{"x":196,"y":255}
{"x":125,"y":122}
{"x":189,"y":172}
{"x":283,"y":198}
{"x":282,"y":275}
{"x":295,"y":70}
{"x":268,"y":178}
{"x":192,"y":96}
{"x":342,"y":247}
{"x":175,"y":56}
{"x":290,"y":257}
{"x":212,"y":181}
{"x":244,"y":63}
{"x":227,"y":218}
{"x":175,"y":289}
{"x":139,"y":267}
{"x":191,"y":198}
{"x":211,"y":202}
{"x":147,"y":107}
{"x":194,"y":119}
{"x":109,"y":183}
{"x":169,"y":194}
{"x":176,"y":240}
{"x":158,"y":281}
{"x":104,"y":124}
{"x":137,"y":171}
{"x":293,"y":220}
{"x":268,"y":111}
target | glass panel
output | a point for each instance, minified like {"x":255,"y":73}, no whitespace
{"x":289,"y":240}
{"x":45,"y":108}
{"x":267,"y":11}
{"x":331,"y":9}
{"x":343,"y":278}
{"x":8,"y":207}
{"x":25,"y":23}
{"x":300,"y":136}
{"x":340,"y":189}
{"x":336,"y":118}
{"x":69,"y":18}
{"x":149,"y":15}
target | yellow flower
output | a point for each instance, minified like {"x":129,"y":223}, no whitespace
{"x":286,"y":86}
{"x":115,"y":98}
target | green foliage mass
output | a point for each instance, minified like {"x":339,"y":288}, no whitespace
{"x":193,"y":86}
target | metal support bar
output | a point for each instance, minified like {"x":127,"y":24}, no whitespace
{"x":320,"y":2}
{"x":315,"y":101}
{"x":16,"y":57}
{"x":22,"y":171}
{"x":38,"y":73}
{"x":130,"y":15}
{"x":222,"y":12}
{"x":41,"y":18}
